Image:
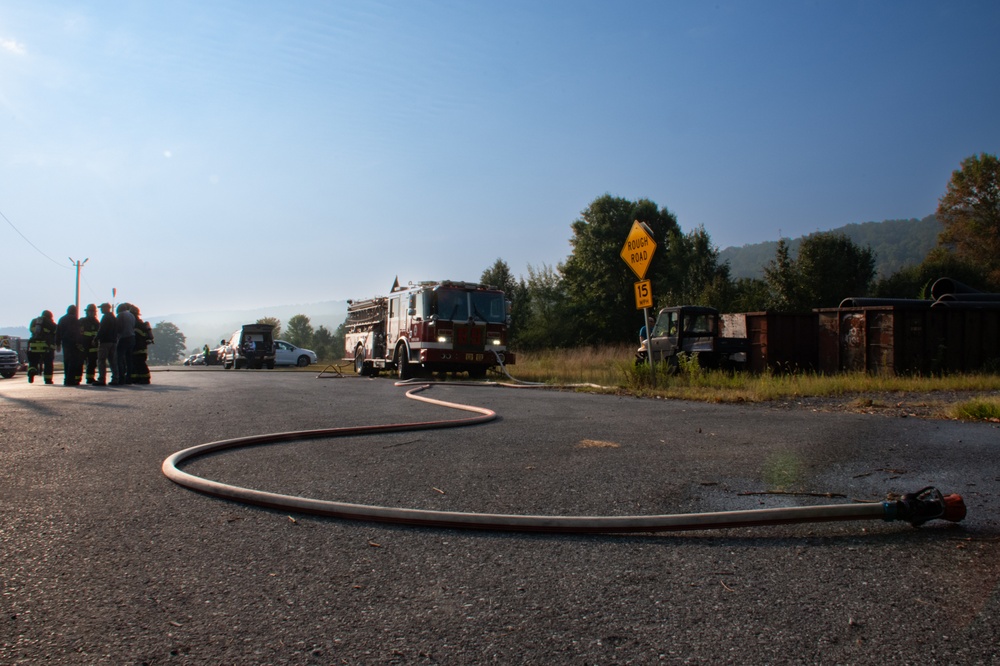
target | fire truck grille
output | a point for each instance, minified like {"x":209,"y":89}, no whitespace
{"x":470,"y":337}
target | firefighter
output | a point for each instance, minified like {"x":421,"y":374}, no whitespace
{"x":90,"y":325}
{"x":69,"y":336}
{"x":42,"y":347}
{"x":140,"y":352}
{"x":125,"y":321}
{"x":107,"y":340}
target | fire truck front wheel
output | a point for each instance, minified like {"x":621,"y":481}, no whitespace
{"x":403,"y":363}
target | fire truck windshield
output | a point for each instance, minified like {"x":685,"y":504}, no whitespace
{"x":461,"y":305}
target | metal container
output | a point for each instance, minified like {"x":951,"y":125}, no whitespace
{"x":782,"y":341}
{"x":900,"y":340}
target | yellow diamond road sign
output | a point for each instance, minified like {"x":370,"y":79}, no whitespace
{"x":638,"y":249}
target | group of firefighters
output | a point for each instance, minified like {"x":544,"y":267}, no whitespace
{"x":120,"y":341}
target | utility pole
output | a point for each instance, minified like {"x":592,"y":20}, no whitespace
{"x":78,"y":265}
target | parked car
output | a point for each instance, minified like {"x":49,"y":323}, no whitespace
{"x":288,"y":354}
{"x":195,"y":359}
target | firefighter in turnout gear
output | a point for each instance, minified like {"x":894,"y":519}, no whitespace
{"x":69,"y":336}
{"x":107,"y":340}
{"x":42,"y":347}
{"x":140,"y":353}
{"x":90,"y":325}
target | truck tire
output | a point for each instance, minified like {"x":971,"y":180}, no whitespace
{"x":403,"y":369}
{"x":359,"y":362}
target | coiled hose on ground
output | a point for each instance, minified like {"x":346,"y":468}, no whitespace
{"x":916,"y":508}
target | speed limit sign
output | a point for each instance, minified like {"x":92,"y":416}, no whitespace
{"x":643,"y":294}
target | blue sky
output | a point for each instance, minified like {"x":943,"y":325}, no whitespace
{"x":316,"y":150}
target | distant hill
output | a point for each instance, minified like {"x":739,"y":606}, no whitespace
{"x":896,"y":243}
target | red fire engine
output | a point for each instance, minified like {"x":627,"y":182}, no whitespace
{"x":435,"y":326}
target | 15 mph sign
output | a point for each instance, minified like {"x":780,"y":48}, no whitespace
{"x":638,"y":249}
{"x":643,"y":294}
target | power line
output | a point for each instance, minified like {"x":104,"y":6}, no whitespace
{"x":30,"y":243}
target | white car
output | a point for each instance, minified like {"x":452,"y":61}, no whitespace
{"x":195,"y":359}
{"x":288,"y":354}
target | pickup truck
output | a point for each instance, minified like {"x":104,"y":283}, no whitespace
{"x":9,"y":362}
{"x":692,"y":329}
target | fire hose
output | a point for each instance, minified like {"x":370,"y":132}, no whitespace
{"x":916,"y":508}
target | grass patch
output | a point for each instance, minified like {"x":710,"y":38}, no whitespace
{"x":979,"y":409}
{"x":613,"y":368}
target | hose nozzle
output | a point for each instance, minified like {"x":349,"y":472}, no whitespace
{"x":926,"y":504}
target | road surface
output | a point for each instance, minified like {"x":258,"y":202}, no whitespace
{"x":104,"y":560}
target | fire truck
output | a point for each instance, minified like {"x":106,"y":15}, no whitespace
{"x":430,"y":326}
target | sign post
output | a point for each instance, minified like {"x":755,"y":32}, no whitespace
{"x":637,"y":253}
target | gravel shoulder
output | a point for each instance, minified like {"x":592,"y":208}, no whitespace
{"x":928,"y":405}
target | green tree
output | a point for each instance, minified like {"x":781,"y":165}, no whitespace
{"x":546,"y":320}
{"x":691,"y":273}
{"x":781,"y":277}
{"x":749,"y":295}
{"x":833,"y":267}
{"x":970,"y":213}
{"x":499,"y":276}
{"x":597,"y":283}
{"x":273,"y":321}
{"x":299,"y":331}
{"x":916,"y":281}
{"x":520,"y":309}
{"x":325,"y":345}
{"x":829,"y":268}
{"x":515,"y":291}
{"x":337,"y":344}
{"x":168,"y":344}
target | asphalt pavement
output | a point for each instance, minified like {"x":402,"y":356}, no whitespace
{"x":104,"y":560}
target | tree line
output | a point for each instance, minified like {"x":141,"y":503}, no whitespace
{"x":299,"y":331}
{"x":588,"y":298}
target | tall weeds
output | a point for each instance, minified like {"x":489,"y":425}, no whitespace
{"x":614,"y":368}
